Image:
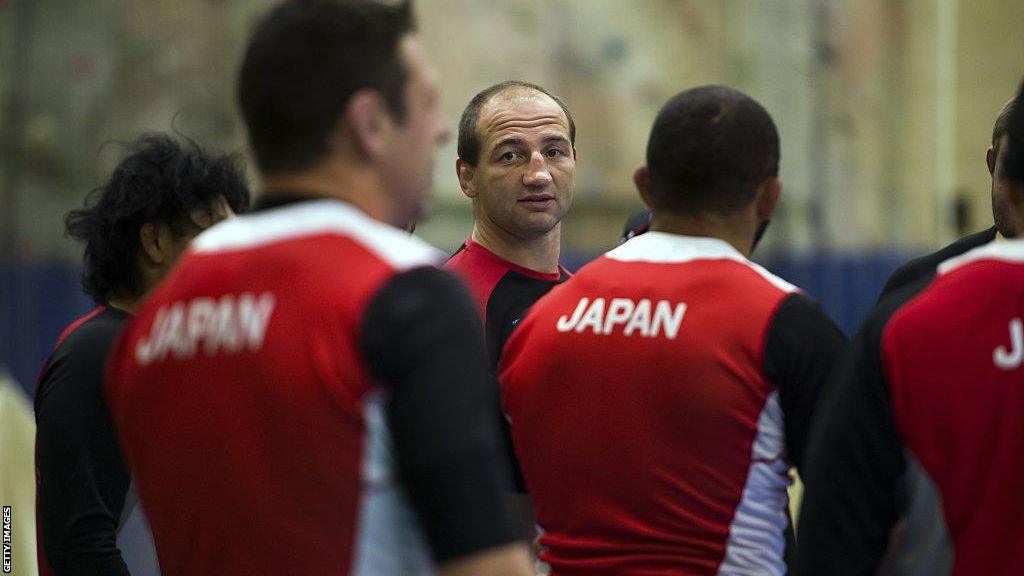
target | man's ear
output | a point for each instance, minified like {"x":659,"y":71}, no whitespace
{"x":990,"y":159}
{"x":465,"y":171}
{"x":642,"y":179}
{"x":153,"y":240}
{"x":367,"y":122}
{"x":768,"y":193}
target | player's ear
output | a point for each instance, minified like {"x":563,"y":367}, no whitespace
{"x":990,"y":159}
{"x":465,"y":171}
{"x":155,"y":242}
{"x":768,"y":193}
{"x":642,"y":180}
{"x":367,"y":123}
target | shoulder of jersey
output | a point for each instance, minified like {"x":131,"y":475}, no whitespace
{"x":1009,"y":251}
{"x":313,"y":218}
{"x":662,"y":248}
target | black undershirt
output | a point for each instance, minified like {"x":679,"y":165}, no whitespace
{"x":854,"y":459}
{"x":82,"y":477}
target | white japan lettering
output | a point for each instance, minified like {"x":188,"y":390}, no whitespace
{"x":625,"y":315}
{"x":1013,"y":358}
{"x":228,"y":325}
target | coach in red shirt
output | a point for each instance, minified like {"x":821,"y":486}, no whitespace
{"x":659,"y":398}
{"x":517,"y":162}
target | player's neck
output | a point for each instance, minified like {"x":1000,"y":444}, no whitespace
{"x":539,"y":254}
{"x":360,"y":187}
{"x":737,"y":232}
{"x":123,"y":303}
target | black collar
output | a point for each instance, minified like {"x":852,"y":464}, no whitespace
{"x":279,"y":198}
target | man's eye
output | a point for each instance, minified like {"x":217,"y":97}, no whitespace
{"x":555,"y":152}
{"x":508,"y":156}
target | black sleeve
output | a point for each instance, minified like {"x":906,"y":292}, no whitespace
{"x":82,"y":477}
{"x":802,"y":350}
{"x":854,"y":462}
{"x":509,"y":302}
{"x":422,"y":336}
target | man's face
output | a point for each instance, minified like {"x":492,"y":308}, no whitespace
{"x":523,"y":181}
{"x":409,"y":166}
{"x":1004,"y":191}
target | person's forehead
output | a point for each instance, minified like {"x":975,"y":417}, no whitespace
{"x":417,"y":64}
{"x":521,"y":109}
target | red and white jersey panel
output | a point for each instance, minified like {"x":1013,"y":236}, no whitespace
{"x":649,"y":436}
{"x":247,"y":356}
{"x":953,"y":358}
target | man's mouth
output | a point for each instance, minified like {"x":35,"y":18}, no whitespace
{"x":538,"y":199}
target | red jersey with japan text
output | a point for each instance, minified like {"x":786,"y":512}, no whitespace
{"x":924,"y":431}
{"x":652,"y":398}
{"x":953,"y":360}
{"x":246,"y":408}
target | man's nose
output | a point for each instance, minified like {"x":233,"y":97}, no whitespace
{"x":537,"y":174}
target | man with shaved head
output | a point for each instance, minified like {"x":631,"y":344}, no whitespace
{"x":517,"y":162}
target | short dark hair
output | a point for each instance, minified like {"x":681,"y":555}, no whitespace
{"x":1013,"y":166}
{"x":709,"y":149}
{"x":305,"y":61}
{"x":469,"y":138}
{"x":161,"y":181}
{"x":1002,"y":124}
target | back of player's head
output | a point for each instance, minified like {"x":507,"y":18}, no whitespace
{"x":709,"y":149}
{"x":159,"y":181}
{"x":1014,"y":164}
{"x":469,"y":137}
{"x":1002,"y":124}
{"x":303,"y":63}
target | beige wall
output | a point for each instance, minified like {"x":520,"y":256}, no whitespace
{"x":874,"y":142}
{"x":990,"y":61}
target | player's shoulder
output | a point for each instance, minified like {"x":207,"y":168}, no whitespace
{"x":974,"y":282}
{"x":657,"y":249}
{"x":472,"y":260}
{"x":924,"y":266}
{"x":1005,"y":253}
{"x":94,"y":330}
{"x":313,"y":222}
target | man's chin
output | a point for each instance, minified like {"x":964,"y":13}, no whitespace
{"x":538,"y":224}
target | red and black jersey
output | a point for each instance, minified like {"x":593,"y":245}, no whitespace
{"x":926,"y":427}
{"x":503,"y":291}
{"x":88,"y":516}
{"x":657,"y":401}
{"x":306,"y":394}
{"x":920,"y":269}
